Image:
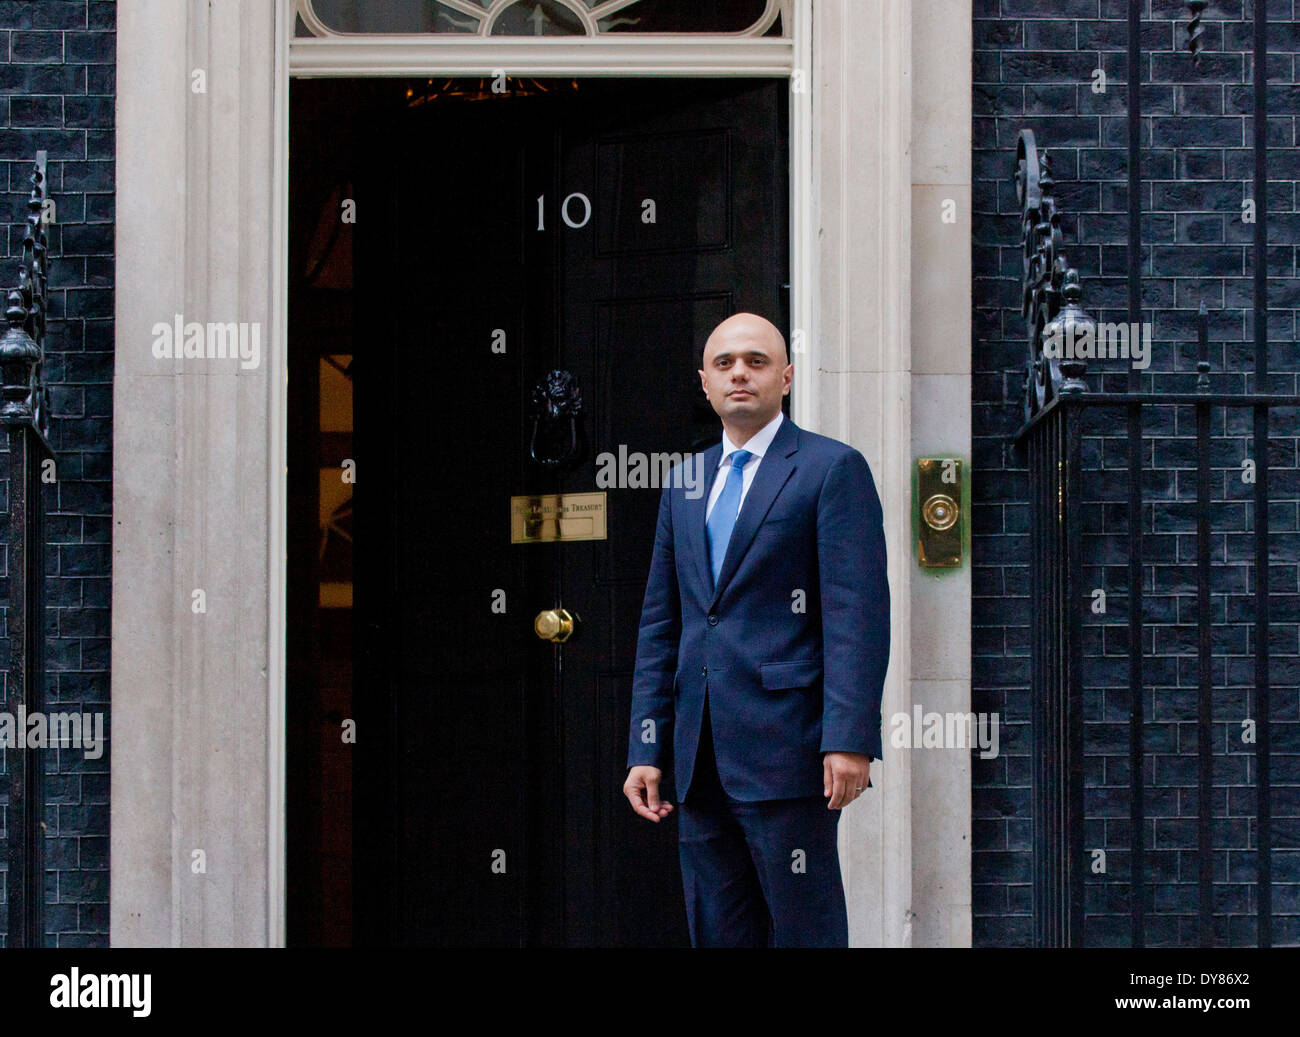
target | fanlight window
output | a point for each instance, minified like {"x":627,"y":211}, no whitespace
{"x":333,"y":18}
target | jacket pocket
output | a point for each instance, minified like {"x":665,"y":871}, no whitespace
{"x":784,"y":514}
{"x":801,"y":673}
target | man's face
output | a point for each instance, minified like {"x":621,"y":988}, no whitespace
{"x":746,"y":374}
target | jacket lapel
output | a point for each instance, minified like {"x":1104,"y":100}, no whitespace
{"x":773,"y":472}
{"x":696,"y":510}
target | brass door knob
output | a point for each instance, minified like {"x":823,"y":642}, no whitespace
{"x":554,"y":625}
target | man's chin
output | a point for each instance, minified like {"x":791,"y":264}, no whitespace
{"x":747,"y":411}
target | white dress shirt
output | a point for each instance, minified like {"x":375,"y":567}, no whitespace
{"x":756,"y":445}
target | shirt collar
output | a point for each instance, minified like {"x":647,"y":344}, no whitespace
{"x":757,"y":444}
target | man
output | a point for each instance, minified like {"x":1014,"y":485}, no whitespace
{"x":761,"y":658}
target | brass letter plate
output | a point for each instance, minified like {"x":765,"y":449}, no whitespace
{"x":552,"y":516}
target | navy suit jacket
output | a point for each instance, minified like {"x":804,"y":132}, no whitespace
{"x":793,"y":642}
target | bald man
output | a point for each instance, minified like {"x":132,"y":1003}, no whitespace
{"x":761,"y":659}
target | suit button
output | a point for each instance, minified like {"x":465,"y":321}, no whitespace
{"x":704,"y":672}
{"x":713,"y":621}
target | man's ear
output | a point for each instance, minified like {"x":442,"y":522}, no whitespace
{"x":703,"y":384}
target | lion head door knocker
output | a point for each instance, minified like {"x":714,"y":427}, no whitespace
{"x":556,"y":441}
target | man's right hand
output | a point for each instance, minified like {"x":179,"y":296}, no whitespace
{"x":642,"y":791}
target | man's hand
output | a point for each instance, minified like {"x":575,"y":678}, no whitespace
{"x":642,"y":791}
{"x":844,"y":776}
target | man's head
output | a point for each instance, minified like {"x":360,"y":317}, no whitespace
{"x":746,"y":371}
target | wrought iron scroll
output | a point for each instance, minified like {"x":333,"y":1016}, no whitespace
{"x":1051,"y":290}
{"x":25,"y":417}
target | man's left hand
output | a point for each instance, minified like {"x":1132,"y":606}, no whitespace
{"x":844,"y":776}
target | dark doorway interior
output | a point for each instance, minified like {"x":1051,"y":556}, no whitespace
{"x":598,"y":227}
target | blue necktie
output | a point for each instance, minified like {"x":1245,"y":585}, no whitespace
{"x":722,"y":519}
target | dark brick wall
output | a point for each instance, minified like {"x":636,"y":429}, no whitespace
{"x":57,"y":88}
{"x":1033,"y":67}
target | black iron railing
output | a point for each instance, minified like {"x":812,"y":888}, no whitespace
{"x":1060,"y":411}
{"x":24,"y":413}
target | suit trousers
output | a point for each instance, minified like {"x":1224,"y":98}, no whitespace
{"x":758,"y":874}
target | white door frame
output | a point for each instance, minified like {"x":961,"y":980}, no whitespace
{"x":681,"y":55}
{"x":197,"y":797}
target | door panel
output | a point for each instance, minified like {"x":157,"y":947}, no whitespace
{"x":685,"y":175}
{"x":442,"y":794}
{"x":490,"y":763}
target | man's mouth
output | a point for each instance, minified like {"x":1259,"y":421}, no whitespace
{"x":740,"y":392}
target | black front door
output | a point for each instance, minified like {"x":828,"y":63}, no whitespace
{"x":599,"y":228}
